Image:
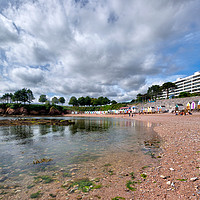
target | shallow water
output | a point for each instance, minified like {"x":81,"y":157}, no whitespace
{"x":86,"y":140}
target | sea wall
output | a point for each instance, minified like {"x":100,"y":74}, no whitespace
{"x":169,"y":103}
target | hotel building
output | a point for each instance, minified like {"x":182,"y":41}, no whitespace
{"x":189,"y":84}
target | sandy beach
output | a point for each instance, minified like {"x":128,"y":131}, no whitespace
{"x":173,"y":174}
{"x":177,"y":176}
{"x":177,"y":173}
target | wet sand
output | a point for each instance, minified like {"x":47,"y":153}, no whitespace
{"x":174,"y":174}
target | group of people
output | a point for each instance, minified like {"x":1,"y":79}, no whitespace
{"x":131,"y":114}
{"x":183,"y":113}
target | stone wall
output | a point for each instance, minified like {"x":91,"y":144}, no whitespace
{"x":169,"y":103}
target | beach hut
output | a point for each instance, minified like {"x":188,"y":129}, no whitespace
{"x":124,"y":109}
{"x":188,"y":106}
{"x":113,"y":111}
{"x":192,"y":106}
{"x":134,"y":109}
{"x":179,"y":107}
{"x":142,"y":110}
{"x":162,"y":108}
{"x":153,"y":109}
{"x":145,"y":110}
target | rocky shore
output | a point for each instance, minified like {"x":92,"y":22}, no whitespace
{"x":31,"y":121}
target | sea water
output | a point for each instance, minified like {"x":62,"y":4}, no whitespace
{"x":63,"y":147}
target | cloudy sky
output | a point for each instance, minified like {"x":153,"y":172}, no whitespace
{"x":112,"y":48}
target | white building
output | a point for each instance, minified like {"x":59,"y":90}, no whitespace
{"x":189,"y":84}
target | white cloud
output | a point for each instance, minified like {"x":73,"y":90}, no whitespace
{"x":28,"y":76}
{"x":79,"y":47}
{"x":8,"y":32}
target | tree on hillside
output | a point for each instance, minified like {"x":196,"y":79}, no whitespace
{"x":54,"y":100}
{"x":154,"y":91}
{"x":95,"y":102}
{"x":106,"y":101}
{"x":133,"y":100}
{"x":87,"y":101}
{"x":168,"y":86}
{"x":62,"y":100}
{"x":142,"y":97}
{"x":7,"y":97}
{"x":113,"y":102}
{"x":30,"y":96}
{"x":145,"y":97}
{"x":81,"y":101}
{"x":139,"y":97}
{"x":73,"y":101}
{"x":100,"y":101}
{"x":24,"y":95}
{"x":103,"y":101}
{"x":42,"y":98}
{"x":47,"y":102}
{"x":16,"y":96}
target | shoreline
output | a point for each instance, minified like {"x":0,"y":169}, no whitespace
{"x":177,"y":176}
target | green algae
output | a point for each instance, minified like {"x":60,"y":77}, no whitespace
{"x":144,"y":176}
{"x":179,"y":179}
{"x":118,"y":198}
{"x":85,"y":185}
{"x":30,"y":186}
{"x":107,"y":165}
{"x":132,"y":175}
{"x":44,"y":178}
{"x":129,"y":185}
{"x":35,"y":195}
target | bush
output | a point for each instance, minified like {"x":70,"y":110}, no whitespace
{"x":35,"y":107}
{"x":184,"y":94}
{"x":13,"y":105}
{"x":96,"y":108}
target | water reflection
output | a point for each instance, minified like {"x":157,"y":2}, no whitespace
{"x":56,"y":128}
{"x":86,"y":140}
{"x":90,"y":125}
{"x":45,"y":129}
{"x":23,"y":134}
